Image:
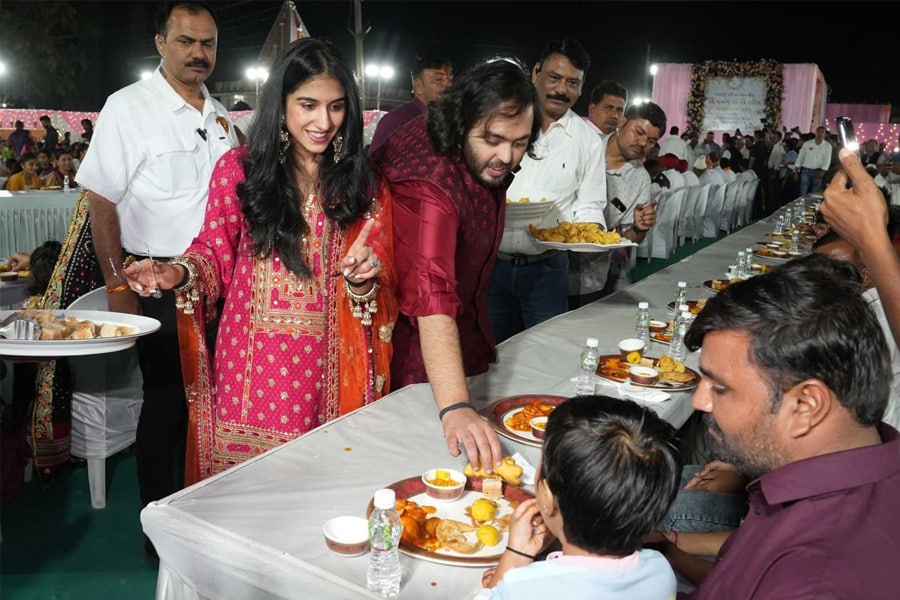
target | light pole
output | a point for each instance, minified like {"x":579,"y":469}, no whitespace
{"x":257,"y":74}
{"x":381,"y":73}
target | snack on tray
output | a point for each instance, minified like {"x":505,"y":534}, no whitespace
{"x":70,"y":328}
{"x":576,"y":233}
{"x":508,"y":470}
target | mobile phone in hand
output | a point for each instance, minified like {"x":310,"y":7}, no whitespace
{"x":846,"y":133}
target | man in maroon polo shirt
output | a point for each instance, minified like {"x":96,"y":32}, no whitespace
{"x":448,"y":177}
{"x":796,"y":377}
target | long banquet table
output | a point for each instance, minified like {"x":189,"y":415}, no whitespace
{"x":28,"y":219}
{"x":254,"y":532}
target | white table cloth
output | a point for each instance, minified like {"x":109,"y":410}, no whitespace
{"x":28,"y":219}
{"x":255,"y":531}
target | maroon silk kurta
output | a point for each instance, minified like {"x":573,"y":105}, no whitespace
{"x":447,"y":227}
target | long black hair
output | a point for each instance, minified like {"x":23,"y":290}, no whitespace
{"x":270,"y":199}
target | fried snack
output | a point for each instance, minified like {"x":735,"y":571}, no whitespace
{"x":70,"y":328}
{"x":614,"y":368}
{"x":667,"y":364}
{"x":521,"y":420}
{"x":419,"y":527}
{"x":676,"y":377}
{"x":450,"y":534}
{"x":576,"y":233}
{"x":508,"y":470}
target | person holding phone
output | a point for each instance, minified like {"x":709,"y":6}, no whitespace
{"x":630,"y":209}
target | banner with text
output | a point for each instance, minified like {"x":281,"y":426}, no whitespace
{"x":735,"y":103}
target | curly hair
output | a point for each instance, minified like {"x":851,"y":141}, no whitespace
{"x":499,"y":87}
{"x":270,"y":198}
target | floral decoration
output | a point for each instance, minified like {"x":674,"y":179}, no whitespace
{"x":771,"y":70}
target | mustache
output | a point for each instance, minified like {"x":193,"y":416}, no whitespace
{"x":499,"y":164}
{"x":559,"y":97}
{"x":197,"y":62}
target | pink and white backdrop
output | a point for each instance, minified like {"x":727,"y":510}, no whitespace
{"x":803,"y":102}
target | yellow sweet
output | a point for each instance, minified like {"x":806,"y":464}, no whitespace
{"x":487,"y":535}
{"x":633,"y":358}
{"x":483,"y":509}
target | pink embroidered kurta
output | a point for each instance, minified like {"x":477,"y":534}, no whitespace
{"x":277,"y":349}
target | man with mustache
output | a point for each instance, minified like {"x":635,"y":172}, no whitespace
{"x":152,"y":154}
{"x":448,"y":172}
{"x":796,"y":377}
{"x":529,"y":284}
{"x":606,"y":110}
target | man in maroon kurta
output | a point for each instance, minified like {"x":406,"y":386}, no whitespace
{"x":448,"y":177}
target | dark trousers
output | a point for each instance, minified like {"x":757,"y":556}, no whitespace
{"x":162,"y":427}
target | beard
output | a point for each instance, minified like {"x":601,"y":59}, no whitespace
{"x":479,"y":170}
{"x":753,"y":452}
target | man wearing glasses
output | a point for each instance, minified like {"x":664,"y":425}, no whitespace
{"x":529,"y":284}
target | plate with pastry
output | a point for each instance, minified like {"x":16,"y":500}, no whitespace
{"x":673,"y":374}
{"x":77,"y":333}
{"x":471,"y":531}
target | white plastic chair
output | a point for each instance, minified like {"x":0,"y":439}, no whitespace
{"x":687,"y":222}
{"x":107,"y":395}
{"x":664,"y":238}
{"x":700,"y":210}
{"x":645,"y":248}
{"x":713,"y":211}
{"x":726,"y":216}
{"x":744,"y":211}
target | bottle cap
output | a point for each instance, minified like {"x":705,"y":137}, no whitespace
{"x":682,"y":284}
{"x":385,"y":499}
{"x":684,"y":307}
{"x":593,"y":342}
{"x":643,"y":305}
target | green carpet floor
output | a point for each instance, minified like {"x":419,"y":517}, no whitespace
{"x":56,"y":547}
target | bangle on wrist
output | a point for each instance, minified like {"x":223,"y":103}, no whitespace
{"x":519,"y":552}
{"x":447,"y":409}
{"x":117,"y":289}
{"x":189,"y":278}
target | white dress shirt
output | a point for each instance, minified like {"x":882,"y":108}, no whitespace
{"x":814,"y":156}
{"x":776,"y":156}
{"x":149,"y":158}
{"x":570,"y":171}
{"x":892,"y":413}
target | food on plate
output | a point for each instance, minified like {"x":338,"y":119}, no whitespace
{"x":4,"y":267}
{"x":676,"y":377}
{"x":69,"y":328}
{"x":508,"y":470}
{"x":576,"y":233}
{"x":667,"y":364}
{"x":451,"y":534}
{"x":442,"y":479}
{"x":488,"y":535}
{"x":492,"y":487}
{"x":521,"y":420}
{"x":614,"y":368}
{"x":483,"y":509}
{"x":419,"y":524}
{"x":662,"y":337}
{"x":523,"y":200}
{"x":634,"y":357}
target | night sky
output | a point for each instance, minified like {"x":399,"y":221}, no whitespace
{"x":117,"y":38}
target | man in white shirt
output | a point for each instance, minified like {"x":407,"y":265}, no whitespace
{"x":673,"y":144}
{"x":606,"y":110}
{"x":528,"y":283}
{"x":813,"y":160}
{"x":147,"y":172}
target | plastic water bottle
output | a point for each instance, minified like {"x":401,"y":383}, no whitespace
{"x":66,"y":184}
{"x":795,"y":242}
{"x":642,"y":324}
{"x":385,"y":527}
{"x":741,"y":264}
{"x":677,"y":349}
{"x":680,"y":298}
{"x":788,"y":217}
{"x":590,"y":359}
{"x":779,"y":225}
